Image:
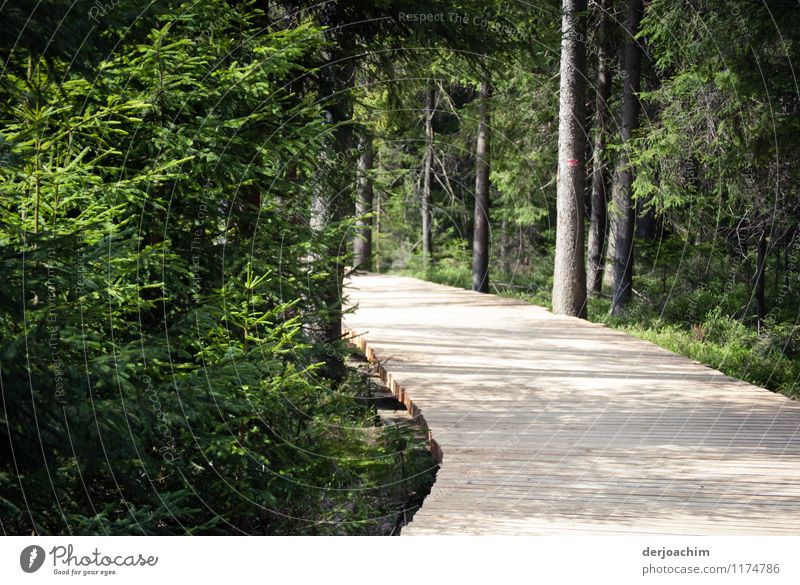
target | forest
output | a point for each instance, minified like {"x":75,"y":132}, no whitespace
{"x":187,"y":186}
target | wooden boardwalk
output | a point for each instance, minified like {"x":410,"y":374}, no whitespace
{"x":550,"y":425}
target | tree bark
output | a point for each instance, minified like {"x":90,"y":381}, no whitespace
{"x":376,"y":261}
{"x":427,"y":179}
{"x":624,"y":217}
{"x":362,"y":246}
{"x":569,"y":275}
{"x":598,"y":224}
{"x":332,"y":199}
{"x":480,"y":242}
{"x":761,"y":264}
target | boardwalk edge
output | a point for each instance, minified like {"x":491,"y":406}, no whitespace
{"x":399,"y":391}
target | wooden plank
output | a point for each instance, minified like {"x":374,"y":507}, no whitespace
{"x":552,"y":425}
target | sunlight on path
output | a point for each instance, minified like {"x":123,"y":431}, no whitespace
{"x":553,"y":425}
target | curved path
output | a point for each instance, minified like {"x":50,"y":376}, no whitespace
{"x":550,"y":424}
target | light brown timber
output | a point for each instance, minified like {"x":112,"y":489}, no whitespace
{"x":549,"y":424}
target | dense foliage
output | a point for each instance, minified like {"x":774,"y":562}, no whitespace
{"x":160,"y":282}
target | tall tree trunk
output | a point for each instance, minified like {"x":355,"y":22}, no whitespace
{"x":598,"y":224}
{"x":480,"y":242}
{"x":427,"y":179}
{"x":505,"y":244}
{"x":569,"y":275}
{"x":624,"y":217}
{"x":761,"y":264}
{"x":362,"y":246}
{"x":376,"y":261}
{"x":332,"y":199}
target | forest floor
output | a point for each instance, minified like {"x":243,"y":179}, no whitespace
{"x":414,"y":469}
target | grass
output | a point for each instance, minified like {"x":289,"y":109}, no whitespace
{"x":758,"y":359}
{"x":392,"y":465}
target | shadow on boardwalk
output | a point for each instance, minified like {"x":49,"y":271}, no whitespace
{"x":551,"y":424}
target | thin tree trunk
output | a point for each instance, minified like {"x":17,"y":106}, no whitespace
{"x":569,"y":275}
{"x":377,"y":237}
{"x":598,"y":224}
{"x":777,"y":284}
{"x":362,"y":246}
{"x":623,"y":219}
{"x":332,"y":199}
{"x":761,"y":264}
{"x":427,"y":180}
{"x":480,"y":242}
{"x":505,"y":243}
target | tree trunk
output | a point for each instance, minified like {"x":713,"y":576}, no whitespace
{"x":376,"y":261}
{"x":332,"y":199}
{"x":569,"y":275}
{"x":624,"y":217}
{"x":761,"y":264}
{"x":480,"y":242}
{"x":427,"y":179}
{"x":362,"y":246}
{"x":598,"y":224}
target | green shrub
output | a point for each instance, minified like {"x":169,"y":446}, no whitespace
{"x":158,"y":289}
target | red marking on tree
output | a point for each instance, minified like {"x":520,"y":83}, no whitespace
{"x":572,"y":162}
